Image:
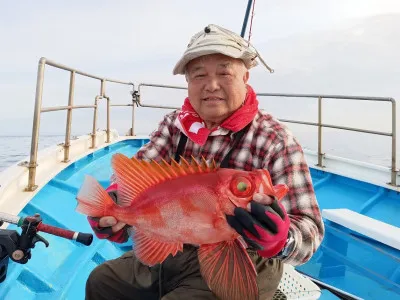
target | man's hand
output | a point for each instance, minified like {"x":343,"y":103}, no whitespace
{"x":264,"y":225}
{"x":108,"y":227}
{"x":111,"y":221}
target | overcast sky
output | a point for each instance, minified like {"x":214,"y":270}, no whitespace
{"x":335,"y":46}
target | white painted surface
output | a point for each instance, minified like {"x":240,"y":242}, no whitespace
{"x":357,"y":170}
{"x":14,"y":179}
{"x":377,"y":230}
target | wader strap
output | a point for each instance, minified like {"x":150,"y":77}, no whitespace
{"x":237,"y":138}
{"x":181,"y":146}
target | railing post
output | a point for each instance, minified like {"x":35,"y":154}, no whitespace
{"x":95,"y":122}
{"x":35,"y":128}
{"x":102,"y":88}
{"x":69,"y":117}
{"x":133,"y":120}
{"x":108,"y":119}
{"x":393,"y":168}
{"x":320,"y":154}
{"x":135,"y":100}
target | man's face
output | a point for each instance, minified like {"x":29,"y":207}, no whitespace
{"x":216,"y":86}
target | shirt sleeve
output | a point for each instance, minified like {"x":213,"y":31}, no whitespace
{"x":287,"y":165}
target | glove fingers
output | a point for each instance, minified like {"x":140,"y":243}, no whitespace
{"x":237,"y":225}
{"x":99,"y":231}
{"x":247,"y":221}
{"x":253,"y":244}
{"x":278,"y":209}
{"x":234,"y":222}
{"x":259,"y":212}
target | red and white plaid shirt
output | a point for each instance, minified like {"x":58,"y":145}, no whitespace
{"x":267,"y":144}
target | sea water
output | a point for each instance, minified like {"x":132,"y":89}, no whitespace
{"x":351,"y":145}
{"x":16,"y":148}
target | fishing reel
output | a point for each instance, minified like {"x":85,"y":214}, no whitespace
{"x":18,"y":246}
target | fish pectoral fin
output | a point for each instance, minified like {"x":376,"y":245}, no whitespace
{"x":150,"y":251}
{"x":228,"y":270}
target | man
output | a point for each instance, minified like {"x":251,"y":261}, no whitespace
{"x":220,"y":120}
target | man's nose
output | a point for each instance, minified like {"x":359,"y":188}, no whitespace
{"x":212,"y":84}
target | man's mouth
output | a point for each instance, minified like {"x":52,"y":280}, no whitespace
{"x":212,"y":99}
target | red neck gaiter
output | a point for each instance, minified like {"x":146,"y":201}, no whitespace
{"x":195,"y":128}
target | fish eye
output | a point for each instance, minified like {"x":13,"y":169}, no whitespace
{"x":241,"y":186}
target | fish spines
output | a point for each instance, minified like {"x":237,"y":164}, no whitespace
{"x":161,"y":171}
{"x":178,"y":168}
{"x":186,"y":165}
{"x":195,"y":164}
{"x":134,"y":176}
{"x":170,"y":169}
{"x":183,"y":168}
{"x":204,"y":165}
{"x":138,"y":166}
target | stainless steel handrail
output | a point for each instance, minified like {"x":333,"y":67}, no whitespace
{"x":394,"y":170}
{"x":39,"y":109}
{"x":320,"y":125}
{"x":136,"y":102}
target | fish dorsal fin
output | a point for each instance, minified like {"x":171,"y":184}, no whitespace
{"x":135,"y":176}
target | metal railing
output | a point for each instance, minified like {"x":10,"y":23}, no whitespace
{"x":39,"y":110}
{"x":392,"y":134}
{"x":319,"y":124}
{"x":136,"y":101}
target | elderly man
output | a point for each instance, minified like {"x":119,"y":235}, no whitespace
{"x":220,"y":120}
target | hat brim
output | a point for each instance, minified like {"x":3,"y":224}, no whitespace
{"x":190,"y":55}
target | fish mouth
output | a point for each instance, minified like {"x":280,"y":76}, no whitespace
{"x":238,"y":203}
{"x":263,"y":184}
{"x":261,"y":188}
{"x":233,"y":201}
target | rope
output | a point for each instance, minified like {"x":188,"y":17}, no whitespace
{"x":251,"y":20}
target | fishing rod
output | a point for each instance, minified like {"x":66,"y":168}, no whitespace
{"x":18,"y":246}
{"x":246,"y":18}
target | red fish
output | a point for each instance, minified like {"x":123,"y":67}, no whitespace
{"x":169,"y":205}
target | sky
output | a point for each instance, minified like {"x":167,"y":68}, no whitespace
{"x":325,"y":47}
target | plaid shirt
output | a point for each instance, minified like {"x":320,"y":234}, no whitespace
{"x":267,"y":144}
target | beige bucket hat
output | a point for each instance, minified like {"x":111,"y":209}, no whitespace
{"x":215,"y":39}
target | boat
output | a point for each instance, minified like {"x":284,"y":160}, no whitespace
{"x":359,"y":257}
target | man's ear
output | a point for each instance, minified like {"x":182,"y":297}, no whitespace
{"x":246,"y":77}
{"x":187,"y":76}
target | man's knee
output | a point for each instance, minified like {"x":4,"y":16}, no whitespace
{"x":120,"y":279}
{"x":97,"y":276}
{"x":98,"y":283}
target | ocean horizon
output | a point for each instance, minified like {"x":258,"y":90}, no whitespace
{"x":15,"y":148}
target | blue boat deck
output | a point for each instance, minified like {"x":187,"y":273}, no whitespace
{"x":345,"y":260}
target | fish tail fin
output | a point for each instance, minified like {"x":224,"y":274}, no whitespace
{"x":228,"y":270}
{"x":93,"y":199}
{"x":280,"y":190}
